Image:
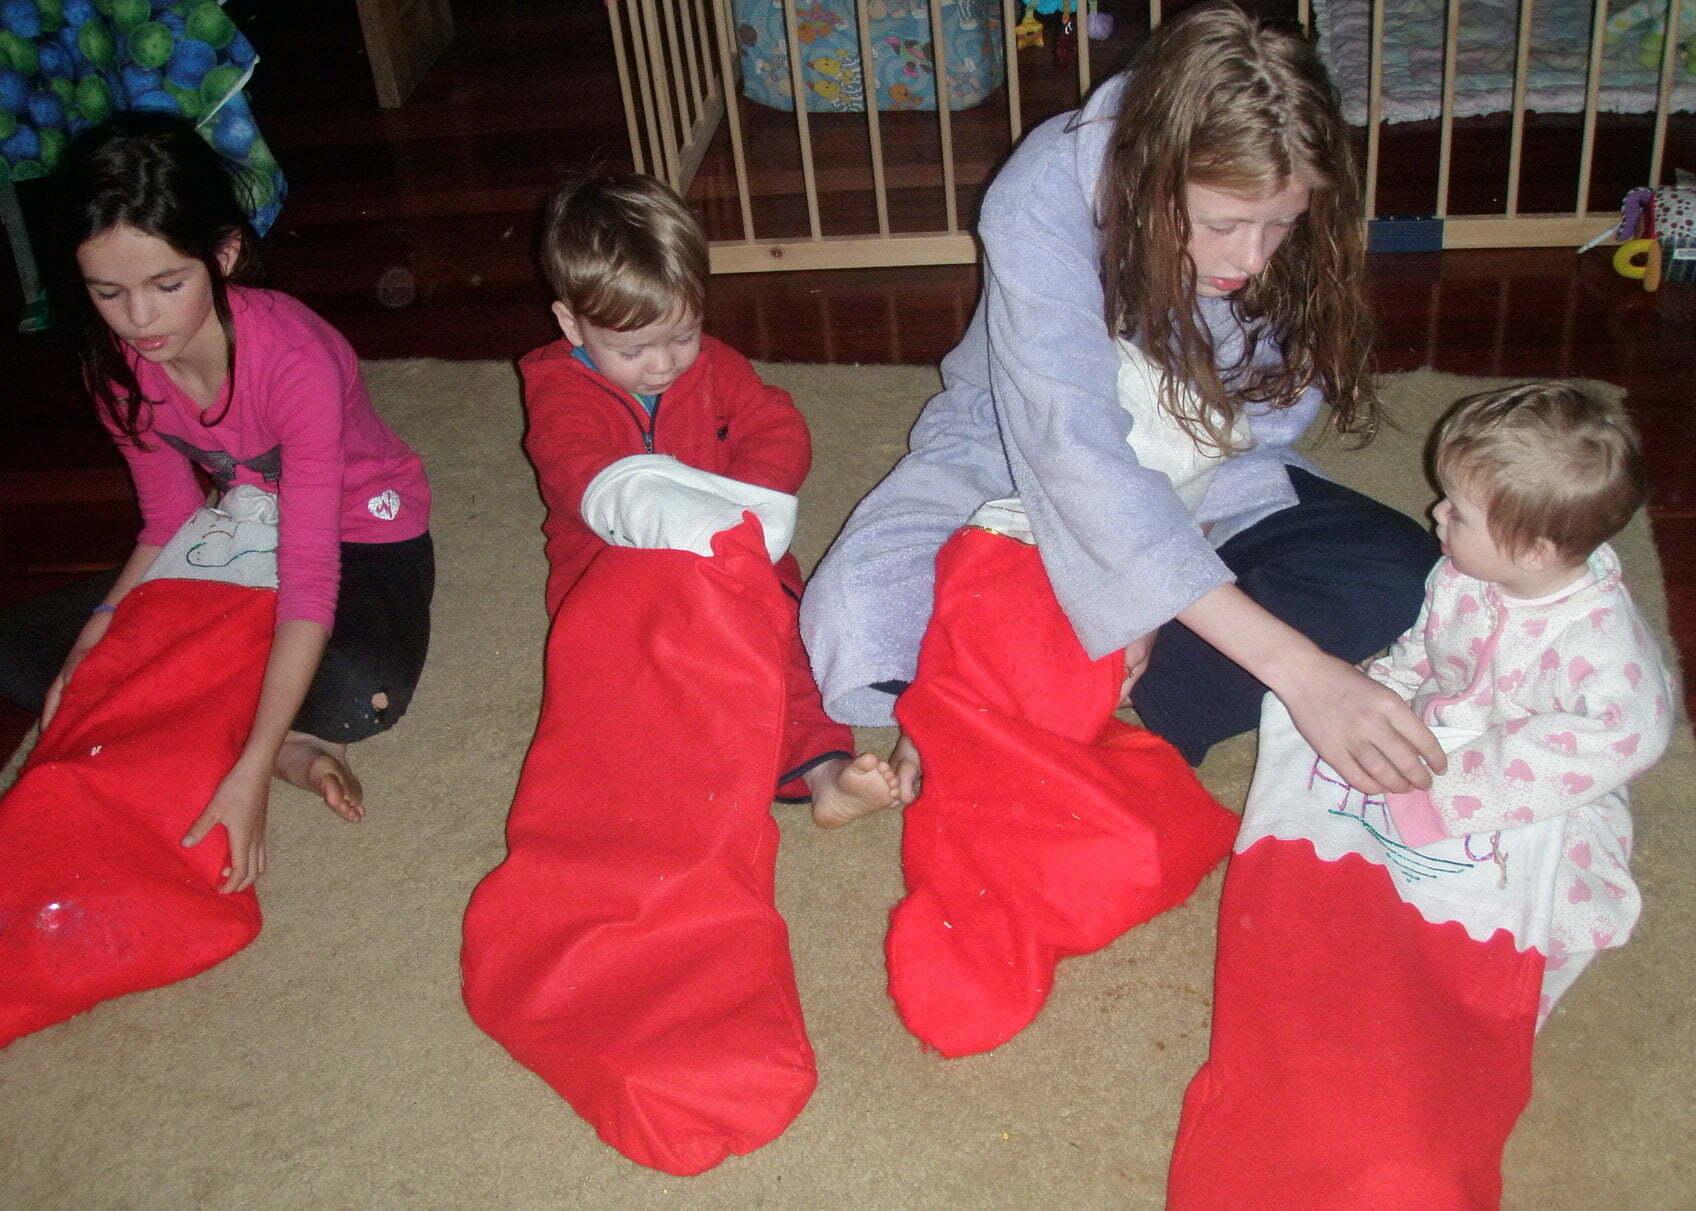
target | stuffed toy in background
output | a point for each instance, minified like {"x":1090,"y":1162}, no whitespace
{"x":1657,"y":234}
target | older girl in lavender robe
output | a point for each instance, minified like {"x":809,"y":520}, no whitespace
{"x":1192,"y":235}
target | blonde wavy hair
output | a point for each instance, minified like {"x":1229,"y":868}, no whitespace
{"x":1225,"y":102}
{"x":623,"y":251}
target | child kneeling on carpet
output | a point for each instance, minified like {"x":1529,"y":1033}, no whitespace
{"x":199,"y":375}
{"x":627,"y":261}
{"x":1532,"y":666}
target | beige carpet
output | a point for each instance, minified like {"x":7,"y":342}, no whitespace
{"x":331,"y":1064}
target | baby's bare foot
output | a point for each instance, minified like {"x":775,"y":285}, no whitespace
{"x":909,"y":776}
{"x":846,"y":790}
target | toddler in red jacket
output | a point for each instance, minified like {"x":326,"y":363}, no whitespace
{"x":645,"y":432}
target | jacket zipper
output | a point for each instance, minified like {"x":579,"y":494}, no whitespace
{"x":632,"y":407}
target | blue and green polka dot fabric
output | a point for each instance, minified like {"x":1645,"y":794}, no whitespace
{"x":68,"y":64}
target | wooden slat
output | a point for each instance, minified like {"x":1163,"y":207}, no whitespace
{"x":679,"y":77}
{"x":1521,"y":68}
{"x":1010,"y":43}
{"x":1445,"y":146}
{"x":1374,"y":106}
{"x":645,"y":86}
{"x":700,"y":139}
{"x":1080,"y":24}
{"x":792,"y":48}
{"x":637,"y":160}
{"x":1592,"y":87}
{"x":844,"y":252}
{"x":1523,"y":231}
{"x":1663,"y":100}
{"x":726,"y":32}
{"x":944,"y":115}
{"x":874,"y":134}
{"x":696,"y":76}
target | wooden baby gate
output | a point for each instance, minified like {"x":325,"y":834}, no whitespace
{"x":811,"y":190}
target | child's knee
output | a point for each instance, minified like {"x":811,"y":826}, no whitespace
{"x":352,"y":699}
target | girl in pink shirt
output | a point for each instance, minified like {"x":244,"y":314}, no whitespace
{"x":202,"y":380}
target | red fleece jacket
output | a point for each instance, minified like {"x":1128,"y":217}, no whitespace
{"x":718,"y":417}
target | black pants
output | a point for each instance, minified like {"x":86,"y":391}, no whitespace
{"x":374,"y":656}
{"x":1343,"y":569}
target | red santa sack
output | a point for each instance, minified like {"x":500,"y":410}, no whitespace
{"x":1046,"y":827}
{"x":628,"y":950}
{"x":98,"y":896}
{"x":1374,"y":1005}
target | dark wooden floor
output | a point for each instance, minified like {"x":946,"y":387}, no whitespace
{"x":411,"y":231}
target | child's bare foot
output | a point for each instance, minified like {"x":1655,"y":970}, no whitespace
{"x":909,"y":776}
{"x":322,"y":768}
{"x":845,"y":790}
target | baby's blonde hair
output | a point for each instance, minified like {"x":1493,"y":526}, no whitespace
{"x":622,"y":252}
{"x":1547,"y":461}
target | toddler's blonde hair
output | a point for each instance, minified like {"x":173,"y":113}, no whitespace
{"x":622,"y":252}
{"x":1547,"y":461}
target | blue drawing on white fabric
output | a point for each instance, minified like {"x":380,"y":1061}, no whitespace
{"x":1372,"y":814}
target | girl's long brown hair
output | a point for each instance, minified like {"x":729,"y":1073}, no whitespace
{"x":1227,"y":103}
{"x":156,"y":174}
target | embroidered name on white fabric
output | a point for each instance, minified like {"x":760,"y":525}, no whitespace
{"x":385,"y":506}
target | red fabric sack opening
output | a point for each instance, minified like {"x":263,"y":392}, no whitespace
{"x":629,"y":950}
{"x":1362,"y":1058}
{"x":1046,"y":827}
{"x":98,"y":896}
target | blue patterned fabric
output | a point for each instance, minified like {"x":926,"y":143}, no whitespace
{"x":69,"y":64}
{"x":903,"y":59}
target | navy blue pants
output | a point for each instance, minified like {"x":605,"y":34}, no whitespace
{"x":1341,"y":568}
{"x":375,"y":653}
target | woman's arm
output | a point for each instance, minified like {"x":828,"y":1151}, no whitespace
{"x":240,"y":801}
{"x":1363,"y":729}
{"x":139,"y":561}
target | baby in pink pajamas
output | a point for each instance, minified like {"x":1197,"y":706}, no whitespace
{"x":1386,"y":960}
{"x":1529,"y":642}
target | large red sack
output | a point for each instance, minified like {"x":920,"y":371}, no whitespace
{"x":1046,"y":827}
{"x":1363,"y":1058}
{"x":628,"y":950}
{"x":98,"y":897}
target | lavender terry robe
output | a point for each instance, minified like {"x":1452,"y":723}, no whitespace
{"x":1029,"y":409}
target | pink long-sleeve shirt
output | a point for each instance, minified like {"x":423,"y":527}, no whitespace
{"x":300,"y":425}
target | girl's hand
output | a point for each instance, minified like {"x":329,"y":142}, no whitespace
{"x":1363,"y":729}
{"x":1136,"y":664}
{"x":90,"y":635}
{"x":239,"y":805}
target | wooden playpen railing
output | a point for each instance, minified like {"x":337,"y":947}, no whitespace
{"x":675,"y":58}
